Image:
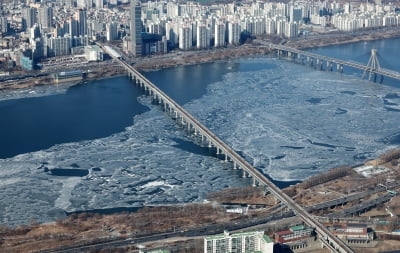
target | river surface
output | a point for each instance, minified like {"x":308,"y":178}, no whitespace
{"x":103,"y":145}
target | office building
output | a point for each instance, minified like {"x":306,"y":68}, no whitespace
{"x":81,"y":19}
{"x":136,"y":29}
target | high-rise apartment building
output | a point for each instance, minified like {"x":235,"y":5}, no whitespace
{"x":45,"y":15}
{"x":185,"y":37}
{"x":270,"y":27}
{"x":233,"y":33}
{"x":71,"y":27}
{"x":99,"y":4}
{"x":291,"y":30}
{"x":28,"y":17}
{"x":202,"y":37}
{"x":3,"y":25}
{"x":81,"y":19}
{"x":59,"y":46}
{"x":136,"y":47}
{"x":219,"y":36}
{"x":111,"y":31}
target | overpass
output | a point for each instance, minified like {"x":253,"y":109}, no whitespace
{"x":196,"y":127}
{"x":319,"y":61}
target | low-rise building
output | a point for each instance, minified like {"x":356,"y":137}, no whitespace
{"x":295,"y":233}
{"x":352,"y":233}
{"x":295,"y":237}
{"x":93,"y":53}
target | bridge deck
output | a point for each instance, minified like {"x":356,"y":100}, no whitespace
{"x":385,"y":72}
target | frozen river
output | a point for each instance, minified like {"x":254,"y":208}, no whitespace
{"x":288,"y":120}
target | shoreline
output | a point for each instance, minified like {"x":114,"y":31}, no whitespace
{"x":186,"y":58}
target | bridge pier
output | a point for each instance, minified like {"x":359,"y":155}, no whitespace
{"x":329,"y":66}
{"x":339,"y":67}
{"x":310,"y":61}
{"x":254,"y":182}
{"x":318,"y":64}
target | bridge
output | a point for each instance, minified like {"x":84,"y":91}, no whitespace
{"x":319,"y":61}
{"x":198,"y":129}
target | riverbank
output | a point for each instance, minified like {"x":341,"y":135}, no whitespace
{"x":330,"y":39}
{"x":92,"y":228}
{"x":152,"y":63}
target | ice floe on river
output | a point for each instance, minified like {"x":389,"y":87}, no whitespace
{"x":287,"y":120}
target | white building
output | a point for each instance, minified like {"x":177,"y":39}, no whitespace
{"x":270,"y":26}
{"x":185,"y":37}
{"x":202,"y":37}
{"x":233,"y":33}
{"x":219,"y":36}
{"x":291,"y":30}
{"x":238,"y":243}
{"x":93,"y":53}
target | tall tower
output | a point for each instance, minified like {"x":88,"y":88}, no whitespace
{"x":46,"y":16}
{"x":28,"y":17}
{"x":373,"y":65}
{"x":136,"y":29}
{"x":80,"y":17}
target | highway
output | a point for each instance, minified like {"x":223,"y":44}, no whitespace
{"x":194,"y":232}
{"x":385,"y":72}
{"x":323,"y":232}
{"x":349,"y":198}
{"x":362,"y":207}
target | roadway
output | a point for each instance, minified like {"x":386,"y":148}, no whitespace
{"x":325,"y":234}
{"x":346,"y":199}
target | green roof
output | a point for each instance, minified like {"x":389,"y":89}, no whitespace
{"x":297,"y":228}
{"x":267,"y":239}
{"x":160,"y":251}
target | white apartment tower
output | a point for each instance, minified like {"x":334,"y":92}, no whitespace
{"x":270,"y":26}
{"x":219,"y":36}
{"x":233,"y":33}
{"x":99,"y":4}
{"x":203,"y":37}
{"x":291,"y":30}
{"x":185,"y":37}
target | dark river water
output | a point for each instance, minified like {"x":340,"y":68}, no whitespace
{"x":102,"y":145}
